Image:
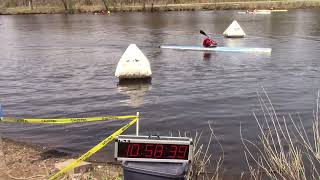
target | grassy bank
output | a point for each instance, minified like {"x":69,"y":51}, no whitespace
{"x":120,"y":6}
{"x":27,"y":10}
{"x":223,"y":6}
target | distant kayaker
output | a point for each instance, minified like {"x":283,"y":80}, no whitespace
{"x":251,"y":11}
{"x":207,"y":42}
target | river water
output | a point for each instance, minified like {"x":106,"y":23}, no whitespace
{"x":63,"y":66}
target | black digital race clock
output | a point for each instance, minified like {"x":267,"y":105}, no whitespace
{"x":153,"y":149}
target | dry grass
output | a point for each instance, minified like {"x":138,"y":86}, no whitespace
{"x":286,"y":152}
{"x":37,"y":10}
{"x":89,"y":9}
{"x":99,"y":172}
{"x":202,"y":160}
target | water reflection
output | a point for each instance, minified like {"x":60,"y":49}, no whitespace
{"x":206,"y":56}
{"x":136,"y":90}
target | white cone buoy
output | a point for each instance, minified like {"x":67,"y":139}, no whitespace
{"x":133,"y":64}
{"x":234,"y":31}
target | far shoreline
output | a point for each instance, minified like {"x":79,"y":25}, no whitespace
{"x":99,"y":9}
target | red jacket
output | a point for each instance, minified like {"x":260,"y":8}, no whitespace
{"x":207,"y":42}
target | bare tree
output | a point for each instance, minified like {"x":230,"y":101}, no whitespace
{"x":30,"y":4}
{"x":144,"y":5}
{"x":64,"y":2}
{"x":152,"y":5}
{"x":105,"y":4}
{"x":68,"y":5}
{"x":87,"y":2}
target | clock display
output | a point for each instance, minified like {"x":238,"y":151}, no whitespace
{"x":153,"y":151}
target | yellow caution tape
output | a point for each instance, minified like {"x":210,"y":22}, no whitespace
{"x":94,"y":149}
{"x":66,"y":120}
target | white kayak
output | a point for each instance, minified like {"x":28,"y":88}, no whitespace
{"x":257,"y":12}
{"x":224,"y":49}
{"x":272,"y":10}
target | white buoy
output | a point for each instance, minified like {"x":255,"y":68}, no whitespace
{"x":234,"y":31}
{"x":133,"y":64}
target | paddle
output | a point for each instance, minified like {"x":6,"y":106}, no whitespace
{"x":202,"y":32}
{"x":205,"y":34}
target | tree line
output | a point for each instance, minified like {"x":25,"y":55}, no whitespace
{"x":69,"y":5}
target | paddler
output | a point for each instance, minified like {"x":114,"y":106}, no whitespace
{"x":207,"y":42}
{"x":251,"y":11}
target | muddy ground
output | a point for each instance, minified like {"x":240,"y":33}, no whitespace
{"x":20,"y":161}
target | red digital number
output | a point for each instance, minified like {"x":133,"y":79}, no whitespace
{"x":182,"y":152}
{"x":158,"y":151}
{"x":173,"y":151}
{"x":128,"y":149}
{"x":135,"y":150}
{"x":148,"y":151}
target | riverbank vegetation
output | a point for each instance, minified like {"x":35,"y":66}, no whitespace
{"x":203,"y":161}
{"x":103,"y":6}
{"x":285,"y":150}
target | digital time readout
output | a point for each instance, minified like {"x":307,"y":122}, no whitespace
{"x":153,"y":151}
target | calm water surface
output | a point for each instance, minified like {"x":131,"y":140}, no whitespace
{"x":63,"y":66}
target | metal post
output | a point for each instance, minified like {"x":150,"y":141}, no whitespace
{"x":1,"y":112}
{"x":137,"y":124}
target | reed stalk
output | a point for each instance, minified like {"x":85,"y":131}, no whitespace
{"x":285,"y":150}
{"x":202,"y":159}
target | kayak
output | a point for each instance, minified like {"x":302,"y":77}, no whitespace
{"x":223,"y":49}
{"x":274,"y":10}
{"x":257,"y":12}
